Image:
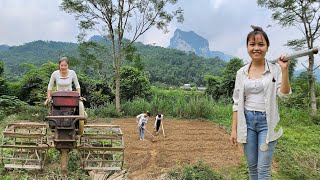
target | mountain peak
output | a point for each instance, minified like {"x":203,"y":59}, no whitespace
{"x":189,"y":41}
{"x":191,"y":35}
{"x":192,"y":42}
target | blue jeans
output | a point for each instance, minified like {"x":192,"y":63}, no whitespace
{"x":257,"y":152}
{"x":141,"y":132}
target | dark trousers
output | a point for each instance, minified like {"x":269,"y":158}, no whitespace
{"x":158,"y":125}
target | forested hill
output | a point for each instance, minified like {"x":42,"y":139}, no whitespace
{"x":37,"y":53}
{"x":4,"y":47}
{"x":169,"y":66}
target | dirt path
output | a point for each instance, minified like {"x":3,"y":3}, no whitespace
{"x":187,"y":141}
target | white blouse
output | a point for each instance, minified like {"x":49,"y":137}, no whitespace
{"x":254,"y":97}
{"x":63,"y":83}
{"x":271,"y":81}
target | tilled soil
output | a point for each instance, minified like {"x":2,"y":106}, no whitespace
{"x":186,"y":141}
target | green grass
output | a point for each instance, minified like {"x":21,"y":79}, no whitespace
{"x":196,"y":171}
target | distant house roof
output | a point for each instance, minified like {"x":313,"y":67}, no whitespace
{"x":202,"y":88}
{"x":186,"y":87}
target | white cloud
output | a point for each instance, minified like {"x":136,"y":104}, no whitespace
{"x":216,"y":4}
{"x":29,"y":20}
{"x":158,"y":37}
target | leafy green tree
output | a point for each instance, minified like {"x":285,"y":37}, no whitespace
{"x":134,"y":83}
{"x":10,"y":105}
{"x":3,"y":86}
{"x":96,"y":92}
{"x":131,"y":55}
{"x":213,"y":86}
{"x":229,"y":76}
{"x":1,"y":67}
{"x":224,"y":85}
{"x":305,"y":15}
{"x":292,"y":66}
{"x":300,"y":98}
{"x":118,"y":17}
{"x":95,"y":59}
{"x":33,"y":85}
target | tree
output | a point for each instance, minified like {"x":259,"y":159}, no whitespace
{"x":134,"y":83}
{"x":1,"y":68}
{"x":292,"y":66}
{"x":223,"y":86}
{"x":133,"y":56}
{"x":300,"y":98}
{"x":305,"y":15}
{"x":229,"y":75}
{"x":213,"y":86}
{"x":33,"y":85}
{"x":3,"y":86}
{"x":118,"y":17}
{"x":91,"y":59}
{"x":97,"y":92}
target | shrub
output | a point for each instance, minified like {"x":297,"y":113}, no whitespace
{"x":197,"y":171}
{"x":108,"y":110}
{"x":316,"y":119}
{"x":2,"y":115}
{"x":10,"y":104}
{"x":33,"y":113}
{"x":53,"y":156}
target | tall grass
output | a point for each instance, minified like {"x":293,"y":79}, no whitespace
{"x":178,"y":107}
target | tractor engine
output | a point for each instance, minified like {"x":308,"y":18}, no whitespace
{"x":64,"y":118}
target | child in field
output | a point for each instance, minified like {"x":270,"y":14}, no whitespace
{"x":142,"y":120}
{"x":158,"y":121}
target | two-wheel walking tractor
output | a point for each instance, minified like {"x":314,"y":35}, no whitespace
{"x":100,"y":146}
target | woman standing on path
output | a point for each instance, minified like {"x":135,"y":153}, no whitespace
{"x":255,"y":110}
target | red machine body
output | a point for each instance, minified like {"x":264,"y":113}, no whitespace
{"x":65,"y":99}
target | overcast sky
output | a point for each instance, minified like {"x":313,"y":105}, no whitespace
{"x":225,"y":23}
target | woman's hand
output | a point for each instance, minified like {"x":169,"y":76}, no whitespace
{"x":283,"y":65}
{"x":47,"y":101}
{"x":285,"y":83}
{"x":233,"y":138}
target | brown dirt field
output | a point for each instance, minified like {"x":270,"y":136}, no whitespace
{"x":186,"y":141}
